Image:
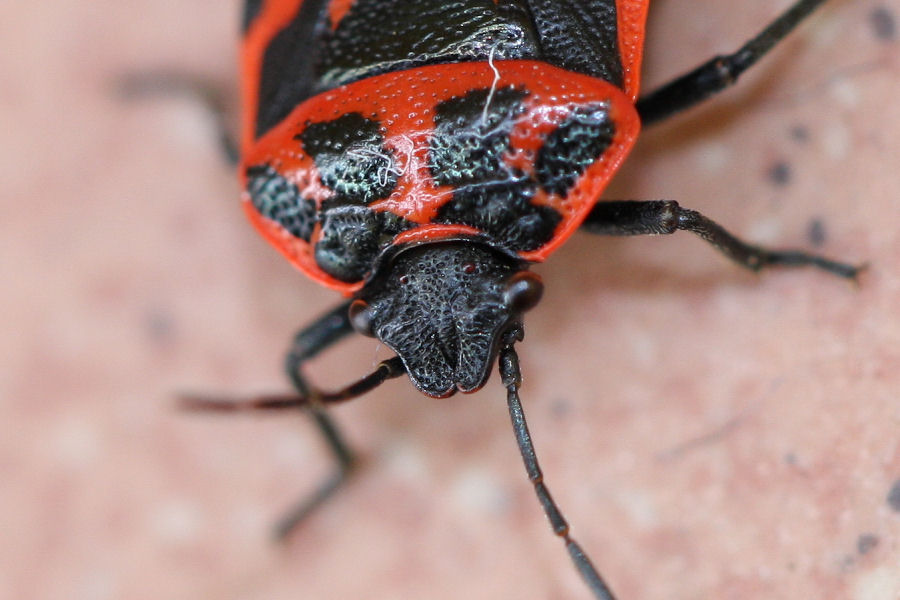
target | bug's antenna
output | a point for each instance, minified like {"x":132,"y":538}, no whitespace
{"x":512,"y":379}
{"x":385,"y":370}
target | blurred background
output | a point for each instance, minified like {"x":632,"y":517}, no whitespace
{"x":709,"y":433}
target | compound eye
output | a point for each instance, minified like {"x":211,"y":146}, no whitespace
{"x":361,"y":317}
{"x":523,"y":291}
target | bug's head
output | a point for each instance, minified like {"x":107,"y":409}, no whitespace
{"x":443,"y":308}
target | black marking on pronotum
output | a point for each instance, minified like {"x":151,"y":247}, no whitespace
{"x":467,"y":150}
{"x":352,"y":238}
{"x":351,"y":158}
{"x":278,"y":199}
{"x":580,"y":140}
{"x":503,"y":210}
{"x":469,"y":143}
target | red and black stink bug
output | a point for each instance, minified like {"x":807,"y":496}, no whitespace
{"x":418,"y":157}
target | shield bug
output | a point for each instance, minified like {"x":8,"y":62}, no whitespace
{"x":421,"y":169}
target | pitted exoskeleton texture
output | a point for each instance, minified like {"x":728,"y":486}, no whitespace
{"x":441,"y":308}
{"x":471,"y":138}
{"x":578,"y":142}
{"x":351,"y":159}
{"x":352,"y":239}
{"x":278,"y":199}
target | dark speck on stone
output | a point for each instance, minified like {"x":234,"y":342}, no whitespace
{"x":893,"y":497}
{"x":780,"y":173}
{"x":816,"y":232}
{"x":883,"y":24}
{"x":799,"y":133}
{"x":560,"y":408}
{"x":159,"y":325}
{"x":866,"y":543}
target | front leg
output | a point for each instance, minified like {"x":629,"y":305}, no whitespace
{"x":309,"y":342}
{"x":654,"y":217}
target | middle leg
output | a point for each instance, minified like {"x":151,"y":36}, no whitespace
{"x":655,"y":217}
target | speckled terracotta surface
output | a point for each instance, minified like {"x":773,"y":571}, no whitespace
{"x":709,"y":433}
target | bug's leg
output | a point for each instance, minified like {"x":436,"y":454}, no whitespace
{"x":512,"y":379}
{"x":327,"y":330}
{"x":145,"y":84}
{"x":652,"y":217}
{"x":722,"y":71}
{"x":309,"y":342}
